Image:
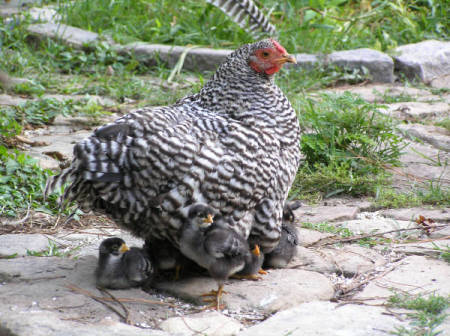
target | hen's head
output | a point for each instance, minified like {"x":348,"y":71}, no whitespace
{"x":268,"y":56}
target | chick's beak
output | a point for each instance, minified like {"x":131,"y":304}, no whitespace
{"x":208,"y":219}
{"x":124,"y":248}
{"x":286,"y":58}
{"x":256,"y":251}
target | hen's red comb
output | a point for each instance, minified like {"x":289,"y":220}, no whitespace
{"x":279,"y":47}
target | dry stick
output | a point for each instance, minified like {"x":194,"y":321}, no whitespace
{"x":125,"y":309}
{"x":132,"y":300}
{"x":349,"y":239}
{"x":351,"y":288}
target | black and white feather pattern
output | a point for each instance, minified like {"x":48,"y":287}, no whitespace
{"x":247,"y":15}
{"x":234,"y":146}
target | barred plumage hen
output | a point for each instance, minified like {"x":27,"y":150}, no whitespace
{"x":234,"y":145}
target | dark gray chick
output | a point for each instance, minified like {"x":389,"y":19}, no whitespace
{"x":287,"y":246}
{"x":120,"y":267}
{"x":217,"y":248}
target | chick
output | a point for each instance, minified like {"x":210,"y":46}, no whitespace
{"x":219,"y":249}
{"x":120,"y":267}
{"x":287,"y":246}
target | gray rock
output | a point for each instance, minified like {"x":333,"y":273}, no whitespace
{"x":104,"y":101}
{"x":424,"y":60}
{"x":49,"y":324}
{"x":442,"y":82}
{"x":6,"y":99}
{"x":20,"y":243}
{"x":349,"y":260}
{"x":417,"y":111}
{"x":421,"y":162}
{"x":313,"y":260}
{"x":44,"y":14}
{"x":411,"y":214}
{"x":319,"y":214}
{"x":205,"y":323}
{"x":306,"y":61}
{"x":198,"y":59}
{"x":436,"y":136}
{"x":414,"y":274}
{"x":38,"y":286}
{"x":431,"y":249}
{"x":375,"y":92}
{"x":307,"y":237}
{"x":324,"y":319}
{"x":75,"y":37}
{"x":380,"y":65}
{"x":278,"y":290}
{"x":378,"y":225}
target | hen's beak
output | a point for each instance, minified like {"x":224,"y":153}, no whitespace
{"x":124,"y":248}
{"x":208,"y":219}
{"x":286,"y":58}
{"x":256,"y":251}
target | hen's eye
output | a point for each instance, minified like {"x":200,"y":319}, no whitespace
{"x":265,"y":54}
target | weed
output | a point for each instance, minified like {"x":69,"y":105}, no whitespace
{"x":21,"y":183}
{"x":429,"y":313}
{"x":328,"y":228}
{"x":444,"y":253}
{"x":347,"y":144}
{"x":445,"y":123}
{"x":435,"y":195}
{"x":388,"y":98}
{"x":52,"y":251}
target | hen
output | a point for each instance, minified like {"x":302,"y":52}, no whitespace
{"x":234,"y":146}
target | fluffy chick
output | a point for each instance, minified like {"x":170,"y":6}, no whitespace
{"x":287,"y":246}
{"x":120,"y":267}
{"x":217,"y":248}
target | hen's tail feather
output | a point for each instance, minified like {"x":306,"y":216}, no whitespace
{"x":241,"y":10}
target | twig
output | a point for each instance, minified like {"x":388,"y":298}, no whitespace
{"x":125,"y":309}
{"x":362,"y":236}
{"x":131,"y":300}
{"x":353,"y":287}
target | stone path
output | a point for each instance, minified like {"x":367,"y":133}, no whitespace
{"x":328,"y":289}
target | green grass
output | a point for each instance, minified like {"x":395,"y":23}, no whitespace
{"x":445,"y":123}
{"x":328,"y":228}
{"x":347,"y":145}
{"x":428,"y":313}
{"x":431,"y":194}
{"x":303,"y":25}
{"x":52,"y":251}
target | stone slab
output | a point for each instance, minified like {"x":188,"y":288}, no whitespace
{"x":307,"y":237}
{"x":413,"y":274}
{"x":380,"y":65}
{"x":380,"y":224}
{"x":375,"y":92}
{"x":20,"y":243}
{"x":417,"y":111}
{"x":441,"y":82}
{"x":320,"y":214}
{"x":37,"y":286}
{"x":411,"y":214}
{"x":436,"y":136}
{"x":205,"y":323}
{"x":6,"y":99}
{"x":280,"y":289}
{"x":198,"y":59}
{"x":326,"y":318}
{"x":72,"y":36}
{"x":425,"y":60}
